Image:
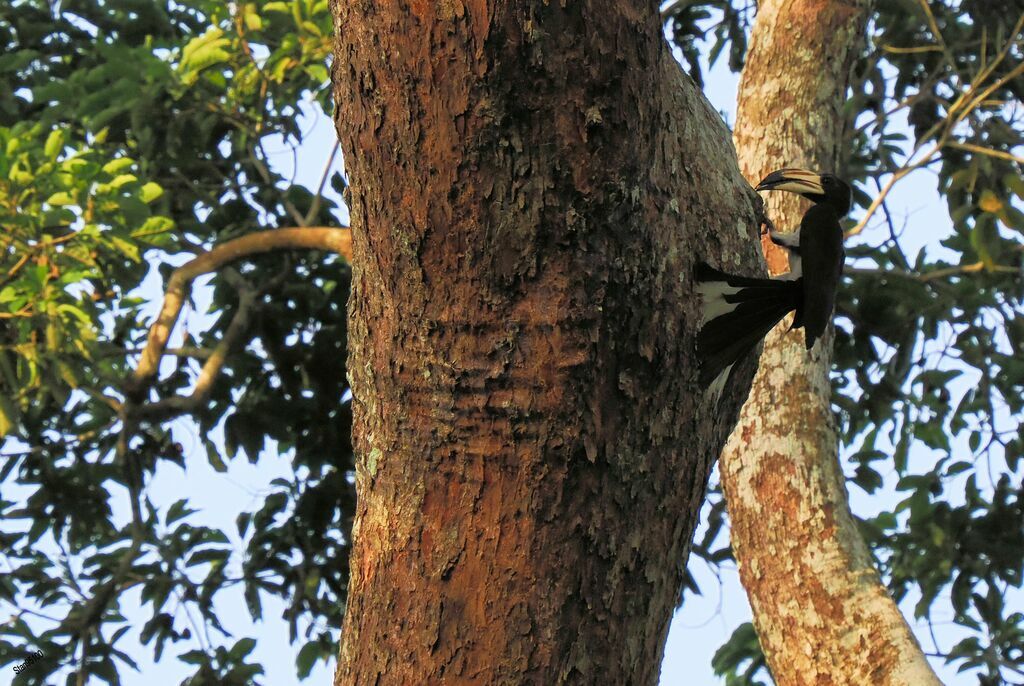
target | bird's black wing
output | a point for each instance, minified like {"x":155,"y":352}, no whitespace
{"x":821,"y":252}
{"x":738,"y":312}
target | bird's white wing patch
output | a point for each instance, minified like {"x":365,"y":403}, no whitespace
{"x":718,"y":385}
{"x":787,"y":239}
{"x":713,"y":294}
{"x":790,"y":241}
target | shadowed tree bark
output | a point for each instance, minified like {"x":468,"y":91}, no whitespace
{"x":532,"y":183}
{"x":821,"y":611}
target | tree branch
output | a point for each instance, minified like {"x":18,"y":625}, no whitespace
{"x":981,"y":150}
{"x":318,"y":196}
{"x":925,"y":277}
{"x":897,"y":175}
{"x":164,"y":409}
{"x":337,"y":240}
{"x":183,"y":351}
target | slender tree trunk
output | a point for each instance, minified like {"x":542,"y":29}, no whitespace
{"x":531,"y":184}
{"x":822,"y":614}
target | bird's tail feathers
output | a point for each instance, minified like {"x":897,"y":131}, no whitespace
{"x":738,"y":312}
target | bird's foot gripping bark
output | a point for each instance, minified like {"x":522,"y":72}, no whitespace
{"x":764,"y":222}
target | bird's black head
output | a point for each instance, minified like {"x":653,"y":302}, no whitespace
{"x":826,"y":189}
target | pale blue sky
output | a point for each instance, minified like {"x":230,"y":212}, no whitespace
{"x":697,"y":630}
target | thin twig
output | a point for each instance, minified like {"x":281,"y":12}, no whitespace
{"x":163,"y":409}
{"x":896,"y":176}
{"x":315,"y":207}
{"x":935,"y":274}
{"x":981,"y":150}
{"x":911,"y":51}
{"x":892,"y":231}
{"x":264,"y":172}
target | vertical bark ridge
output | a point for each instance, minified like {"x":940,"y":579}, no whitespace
{"x":822,"y":614}
{"x":532,"y":182}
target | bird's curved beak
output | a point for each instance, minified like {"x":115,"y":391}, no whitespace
{"x":792,"y":180}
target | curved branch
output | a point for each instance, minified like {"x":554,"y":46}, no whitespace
{"x":336,"y":240}
{"x":170,"y":407}
{"x":130,"y":412}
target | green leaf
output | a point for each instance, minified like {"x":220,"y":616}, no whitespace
{"x":118,"y":165}
{"x":242,"y":523}
{"x":253,"y":21}
{"x":311,"y":28}
{"x":179,"y":510}
{"x":194,"y":657}
{"x":307,"y":657}
{"x":150,"y":192}
{"x":215,"y":460}
{"x":1015,"y":184}
{"x":54,"y":144}
{"x":60,"y":199}
{"x":242,"y":648}
{"x":126,"y":248}
{"x":252,"y":602}
{"x":1012,"y":217}
{"x":318,"y":72}
{"x":72,"y":311}
{"x":122,"y":179}
{"x":9,"y":416}
{"x":204,"y":51}
{"x":217,"y":556}
{"x":153,"y":226}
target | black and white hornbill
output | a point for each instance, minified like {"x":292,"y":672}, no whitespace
{"x":739,"y":311}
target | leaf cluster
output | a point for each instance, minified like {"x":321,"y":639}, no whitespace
{"x":928,"y":374}
{"x":134,"y":134}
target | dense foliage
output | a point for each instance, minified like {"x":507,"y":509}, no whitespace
{"x":133,"y":135}
{"x":929,"y":373}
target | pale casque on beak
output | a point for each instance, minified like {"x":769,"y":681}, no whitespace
{"x":793,"y":180}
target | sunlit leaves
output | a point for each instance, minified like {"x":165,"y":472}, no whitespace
{"x":130,"y":135}
{"x":67,"y":216}
{"x":201,"y":52}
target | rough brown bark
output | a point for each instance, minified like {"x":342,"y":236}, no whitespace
{"x":531,"y":184}
{"x":821,"y":611}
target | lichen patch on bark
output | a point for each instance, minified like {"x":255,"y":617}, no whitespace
{"x":821,"y":612}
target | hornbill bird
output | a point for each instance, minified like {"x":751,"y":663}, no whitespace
{"x":739,"y":311}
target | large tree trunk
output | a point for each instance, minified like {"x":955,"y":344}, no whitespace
{"x":531,"y":184}
{"x":820,"y":609}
